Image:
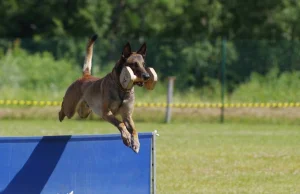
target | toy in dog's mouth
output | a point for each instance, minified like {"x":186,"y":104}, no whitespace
{"x":128,"y":79}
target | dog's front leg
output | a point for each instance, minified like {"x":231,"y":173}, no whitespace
{"x":121,"y":126}
{"x":127,"y":119}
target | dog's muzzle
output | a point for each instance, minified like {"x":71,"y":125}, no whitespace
{"x":145,"y":77}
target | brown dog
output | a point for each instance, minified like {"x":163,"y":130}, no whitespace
{"x":105,"y":96}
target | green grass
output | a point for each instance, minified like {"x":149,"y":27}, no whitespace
{"x":203,"y":157}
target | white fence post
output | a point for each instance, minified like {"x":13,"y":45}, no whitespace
{"x":169,"y":99}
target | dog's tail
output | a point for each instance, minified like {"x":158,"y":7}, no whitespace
{"x":87,"y":67}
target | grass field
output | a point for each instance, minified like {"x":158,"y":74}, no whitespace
{"x":203,"y":157}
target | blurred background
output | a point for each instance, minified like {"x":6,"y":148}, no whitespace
{"x":42,"y":48}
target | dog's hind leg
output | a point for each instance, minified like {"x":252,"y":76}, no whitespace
{"x":83,"y":109}
{"x":61,"y":115}
{"x":70,"y":101}
{"x":67,"y":109}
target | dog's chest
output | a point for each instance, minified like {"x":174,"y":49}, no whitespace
{"x":122,"y":102}
{"x":116,"y":104}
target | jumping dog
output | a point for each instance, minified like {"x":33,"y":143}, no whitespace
{"x":105,"y":96}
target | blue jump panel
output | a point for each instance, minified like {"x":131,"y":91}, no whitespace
{"x":88,"y":164}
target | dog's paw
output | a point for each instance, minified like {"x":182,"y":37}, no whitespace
{"x":126,"y":136}
{"x":135,"y":144}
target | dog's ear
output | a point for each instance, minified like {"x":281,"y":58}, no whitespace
{"x":126,"y":51}
{"x":142,"y":51}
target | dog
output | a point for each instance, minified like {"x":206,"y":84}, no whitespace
{"x":105,"y":96}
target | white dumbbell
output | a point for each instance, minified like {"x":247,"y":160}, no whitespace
{"x":127,"y":78}
{"x":150,"y":83}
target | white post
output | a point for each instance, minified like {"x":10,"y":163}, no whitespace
{"x":169,"y":98}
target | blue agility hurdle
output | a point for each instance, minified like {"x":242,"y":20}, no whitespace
{"x":85,"y":164}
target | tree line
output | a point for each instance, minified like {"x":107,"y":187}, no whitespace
{"x":184,"y":37}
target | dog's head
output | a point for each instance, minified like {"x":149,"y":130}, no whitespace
{"x":136,"y":61}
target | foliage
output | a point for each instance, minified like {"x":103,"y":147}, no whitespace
{"x":34,"y":72}
{"x":184,"y":38}
{"x":273,"y":87}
